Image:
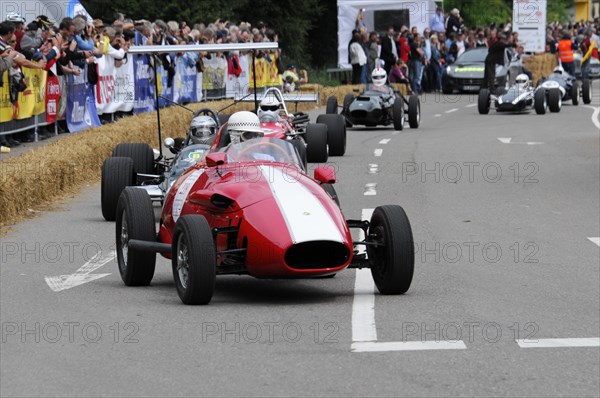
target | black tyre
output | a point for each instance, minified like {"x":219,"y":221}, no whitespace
{"x":398,"y":114}
{"x":392,"y":263}
{"x":135,"y":220}
{"x":483,"y":101}
{"x":142,"y":155}
{"x":117,"y":173}
{"x":316,"y":143}
{"x":554,"y":100}
{"x":586,"y":91}
{"x":539,"y":101}
{"x":414,"y":111}
{"x":336,"y":133}
{"x":194,"y":260}
{"x":330,"y":189}
{"x":574,"y":93}
{"x":301,"y":148}
{"x":332,"y":106}
{"x":348,"y":98}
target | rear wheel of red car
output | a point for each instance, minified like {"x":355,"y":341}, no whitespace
{"x":194,"y":260}
{"x":554,"y":100}
{"x":141,"y":154}
{"x":574,"y":93}
{"x":336,"y":133}
{"x":483,"y":101}
{"x":117,"y":173}
{"x":135,"y":220}
{"x":398,"y":114}
{"x":393,"y":260}
{"x":414,"y":111}
{"x":316,"y":143}
{"x":332,"y":106}
{"x":539,"y":101}
{"x":586,"y":91}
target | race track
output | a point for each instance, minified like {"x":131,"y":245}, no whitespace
{"x":505,"y":300}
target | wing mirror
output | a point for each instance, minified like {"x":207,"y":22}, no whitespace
{"x":174,"y":145}
{"x":325,"y":174}
{"x":216,"y":159}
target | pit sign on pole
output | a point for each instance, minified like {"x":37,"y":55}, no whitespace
{"x":529,"y":20}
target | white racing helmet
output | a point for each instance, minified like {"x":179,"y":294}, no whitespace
{"x":201,"y":129}
{"x":559,"y":70}
{"x":522,"y":81}
{"x":15,"y":17}
{"x":269,"y":105}
{"x":243,"y":126}
{"x":379,"y":76}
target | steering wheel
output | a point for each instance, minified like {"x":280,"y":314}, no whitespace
{"x":208,"y":112}
{"x":253,"y":147}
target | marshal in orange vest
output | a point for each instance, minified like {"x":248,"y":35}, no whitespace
{"x":564,"y":51}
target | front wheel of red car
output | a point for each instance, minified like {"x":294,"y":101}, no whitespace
{"x":194,"y":260}
{"x":393,"y":258}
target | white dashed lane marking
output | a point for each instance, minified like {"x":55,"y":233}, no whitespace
{"x":470,"y":105}
{"x":595,"y":240}
{"x":378,"y":152}
{"x":559,"y":343}
{"x":370,"y":189}
{"x":373,"y":168}
{"x":451,"y":110}
{"x":385,"y":141}
{"x":437,"y":115}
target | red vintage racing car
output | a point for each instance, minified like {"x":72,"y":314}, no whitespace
{"x":250,"y":208}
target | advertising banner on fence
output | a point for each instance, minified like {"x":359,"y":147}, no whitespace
{"x":144,"y":85}
{"x":529,"y":18}
{"x":31,"y":102}
{"x":81,"y":107}
{"x":53,"y":95}
{"x":6,"y":107}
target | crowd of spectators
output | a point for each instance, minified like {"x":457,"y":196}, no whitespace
{"x":69,"y":45}
{"x":419,"y":58}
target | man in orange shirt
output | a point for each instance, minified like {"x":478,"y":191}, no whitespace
{"x":565,"y":54}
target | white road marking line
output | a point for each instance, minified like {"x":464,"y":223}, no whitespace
{"x":437,"y":115}
{"x":595,"y":240}
{"x":371,"y":189}
{"x":366,"y":215}
{"x":364,"y":330}
{"x":382,"y":346}
{"x":82,"y":275}
{"x":470,"y":105}
{"x":556,"y":343}
{"x":378,"y":152}
{"x":373,"y":168}
{"x":508,"y":140}
{"x":363,"y":307}
{"x":595,"y":115}
{"x":395,"y":133}
{"x":451,"y":110}
{"x":385,"y":141}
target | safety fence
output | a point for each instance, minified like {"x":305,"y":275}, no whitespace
{"x":129,"y":88}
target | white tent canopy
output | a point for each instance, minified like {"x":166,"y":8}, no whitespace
{"x":55,"y":10}
{"x":419,"y":11}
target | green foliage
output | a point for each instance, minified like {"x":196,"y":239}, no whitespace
{"x":293,"y":19}
{"x":558,"y":10}
{"x":481,"y":12}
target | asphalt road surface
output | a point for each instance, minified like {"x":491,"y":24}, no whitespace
{"x":505,"y":301}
